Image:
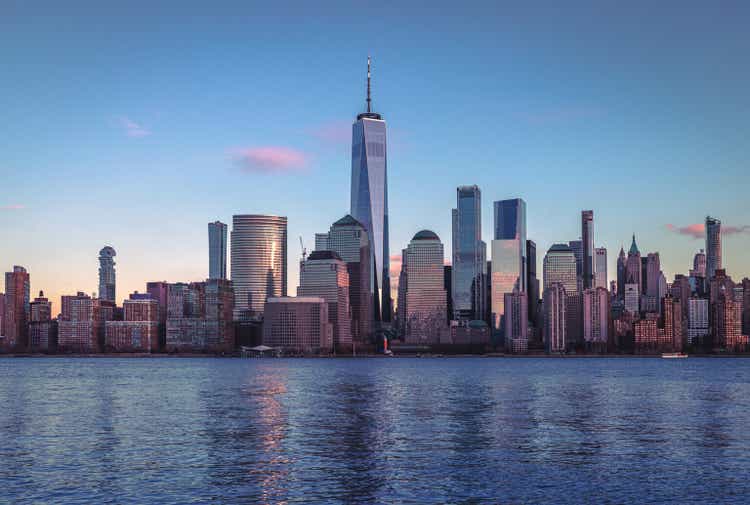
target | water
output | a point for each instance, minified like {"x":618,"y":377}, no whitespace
{"x":475,"y":430}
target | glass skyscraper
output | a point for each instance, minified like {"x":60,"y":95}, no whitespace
{"x":217,"y":250}
{"x":508,"y":255}
{"x":587,"y":243}
{"x":259,"y":261}
{"x":369,"y":198}
{"x":469,"y":256}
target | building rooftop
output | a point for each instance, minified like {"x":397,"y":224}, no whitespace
{"x":426,"y":235}
{"x":560,"y":248}
{"x":348,"y":220}
{"x":324,"y":255}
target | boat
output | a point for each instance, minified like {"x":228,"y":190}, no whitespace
{"x":671,"y":355}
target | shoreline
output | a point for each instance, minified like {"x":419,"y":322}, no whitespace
{"x":361,"y":356}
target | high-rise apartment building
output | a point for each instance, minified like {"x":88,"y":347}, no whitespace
{"x":713,"y":246}
{"x":516,"y":321}
{"x":600,"y":268}
{"x":82,"y":324}
{"x":424,"y":295}
{"x":17,"y":308}
{"x":698,"y":327}
{"x":42,"y":329}
{"x":596,"y":318}
{"x":324,"y":275}
{"x":217,"y":250}
{"x":259,"y":261}
{"x":107,"y":278}
{"x":138,"y":332}
{"x":469,"y":256}
{"x":587,"y":243}
{"x":369,"y":198}
{"x":554,"y":316}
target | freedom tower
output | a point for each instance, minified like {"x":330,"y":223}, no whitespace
{"x":369,"y":199}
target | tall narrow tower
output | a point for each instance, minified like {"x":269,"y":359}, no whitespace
{"x":107,"y":274}
{"x":587,"y":239}
{"x":369,"y":199}
{"x":713,"y":247}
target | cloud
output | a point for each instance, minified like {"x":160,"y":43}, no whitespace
{"x":270,"y":160}
{"x":133,"y":129}
{"x":698,"y":230}
{"x":13,"y":206}
{"x":334,"y":132}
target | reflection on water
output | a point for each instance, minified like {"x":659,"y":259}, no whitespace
{"x":375,"y":431}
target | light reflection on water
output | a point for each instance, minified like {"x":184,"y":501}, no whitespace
{"x":375,"y":430}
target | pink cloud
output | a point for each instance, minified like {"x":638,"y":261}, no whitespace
{"x":270,"y":160}
{"x":334,"y":132}
{"x":133,"y":129}
{"x":13,"y":206}
{"x":698,"y":230}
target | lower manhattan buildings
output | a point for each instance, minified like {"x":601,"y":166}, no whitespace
{"x":297,"y":324}
{"x":258,"y":261}
{"x":17,"y":308}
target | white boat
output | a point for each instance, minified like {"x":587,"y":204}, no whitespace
{"x":671,"y":355}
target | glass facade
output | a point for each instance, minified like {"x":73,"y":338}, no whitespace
{"x":713,"y":246}
{"x":560,"y":267}
{"x":507,"y":276}
{"x":424,"y":298}
{"x":259,"y":260}
{"x":587,"y":246}
{"x":600,"y":267}
{"x":510,"y":224}
{"x":217,"y":250}
{"x":469,"y":256}
{"x":369,"y":203}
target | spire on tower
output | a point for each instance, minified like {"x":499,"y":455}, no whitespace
{"x":368,"y":84}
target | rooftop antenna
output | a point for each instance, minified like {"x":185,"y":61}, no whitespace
{"x":368,"y":84}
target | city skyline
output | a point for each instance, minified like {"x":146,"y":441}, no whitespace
{"x":144,"y":153}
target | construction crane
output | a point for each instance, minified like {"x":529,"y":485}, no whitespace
{"x":302,"y":246}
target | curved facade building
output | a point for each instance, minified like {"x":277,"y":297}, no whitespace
{"x":259,"y":261}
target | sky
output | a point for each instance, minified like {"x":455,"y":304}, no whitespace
{"x":135,"y":124}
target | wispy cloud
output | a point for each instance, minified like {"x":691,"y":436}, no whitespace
{"x":698,"y":230}
{"x":13,"y":206}
{"x":270,"y":160}
{"x":133,"y":129}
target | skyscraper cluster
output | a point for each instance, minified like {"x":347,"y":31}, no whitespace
{"x":475,"y":302}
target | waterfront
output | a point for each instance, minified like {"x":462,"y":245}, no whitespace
{"x":462,"y":430}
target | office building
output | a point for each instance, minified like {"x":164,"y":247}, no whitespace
{"x":621,"y":274}
{"x":559,"y":266}
{"x":508,"y":255}
{"x":634,"y":267}
{"x":532,"y":283}
{"x":217,"y":250}
{"x":369,"y":198}
{"x":259,"y":261}
{"x":349,"y":239}
{"x":324,"y":275}
{"x":424,"y":295}
{"x":297,"y":325}
{"x":577,"y":247}
{"x":632,"y":298}
{"x":107,"y":278}
{"x":2,"y":317}
{"x":469,"y":256}
{"x":698,"y":321}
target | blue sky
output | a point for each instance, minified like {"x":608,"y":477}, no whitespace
{"x":134,"y":125}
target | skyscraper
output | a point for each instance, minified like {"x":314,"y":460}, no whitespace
{"x":17,"y":307}
{"x":532,"y":283}
{"x":349,"y":239}
{"x":633,"y":267}
{"x":621,"y":273}
{"x":596,"y":318}
{"x":217,"y":250}
{"x":469,"y":255}
{"x":369,"y":198}
{"x":560,"y":267}
{"x":259,"y":261}
{"x":713,"y":246}
{"x":297,"y":324}
{"x":42,"y":330}
{"x":324,"y":274}
{"x":516,"y":321}
{"x":600,"y":268}
{"x":107,"y":285}
{"x":587,"y":243}
{"x":508,"y":255}
{"x":554,"y":315}
{"x":424,"y":298}
{"x":577,"y":247}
